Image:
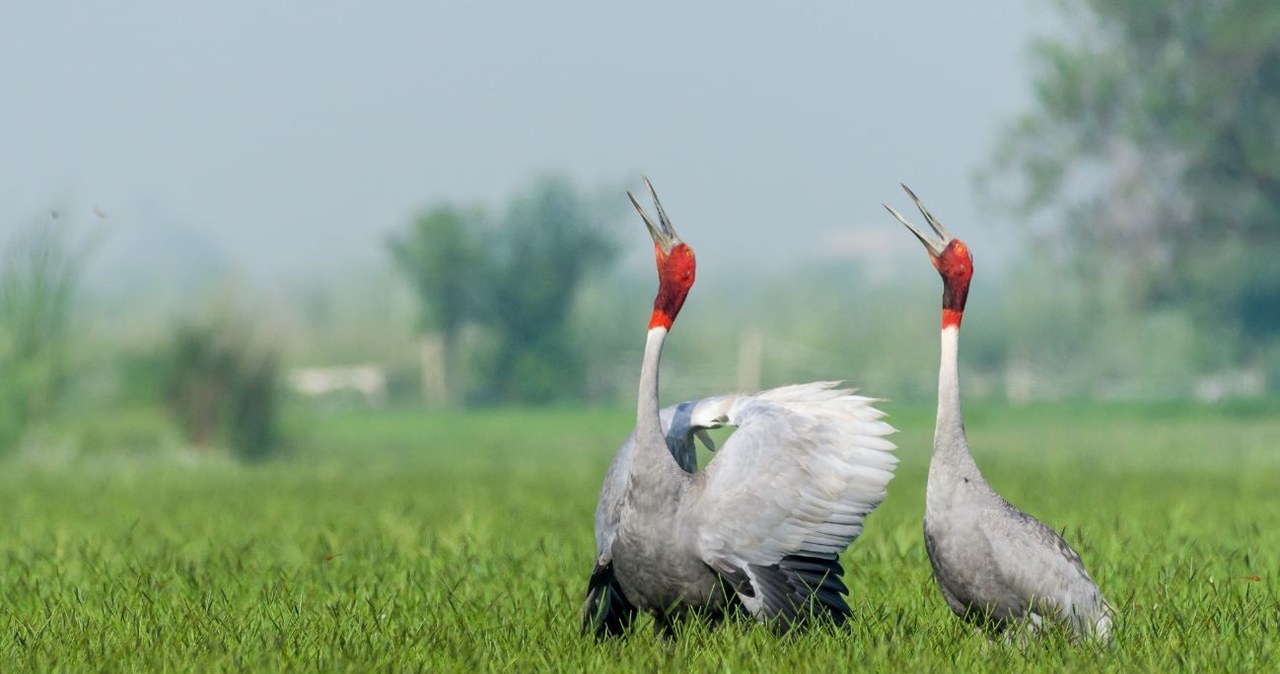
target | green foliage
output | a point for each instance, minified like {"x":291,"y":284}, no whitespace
{"x":462,"y":542}
{"x":516,"y":277}
{"x":1154,"y":147}
{"x":222,"y":385}
{"x":552,"y":238}
{"x":443,"y":258}
{"x":39,"y":284}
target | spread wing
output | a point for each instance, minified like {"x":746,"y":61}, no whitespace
{"x":787,"y":493}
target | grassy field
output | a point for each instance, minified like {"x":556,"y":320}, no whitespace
{"x":406,"y":542}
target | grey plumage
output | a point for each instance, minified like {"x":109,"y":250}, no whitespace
{"x":763,"y":525}
{"x":993,"y":563}
{"x":606,"y":610}
{"x":679,"y":429}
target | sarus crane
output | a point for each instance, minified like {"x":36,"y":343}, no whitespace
{"x":762,"y":526}
{"x":995,"y":565}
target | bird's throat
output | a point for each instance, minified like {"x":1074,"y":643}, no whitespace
{"x":666,"y":305}
{"x":955,"y":292}
{"x":660,"y":319}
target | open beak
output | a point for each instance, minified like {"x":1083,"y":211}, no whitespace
{"x":663,"y":234}
{"x":935,"y":241}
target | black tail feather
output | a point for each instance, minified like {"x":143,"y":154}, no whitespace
{"x":606,"y":611}
{"x":799,"y":589}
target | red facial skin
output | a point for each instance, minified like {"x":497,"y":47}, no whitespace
{"x":675,"y":277}
{"x":955,"y":265}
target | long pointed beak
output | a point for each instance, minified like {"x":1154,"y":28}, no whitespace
{"x":935,"y":241}
{"x":663,"y":234}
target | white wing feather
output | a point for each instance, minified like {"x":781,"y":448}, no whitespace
{"x":806,"y":466}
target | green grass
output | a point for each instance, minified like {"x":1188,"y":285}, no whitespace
{"x":451,"y":542}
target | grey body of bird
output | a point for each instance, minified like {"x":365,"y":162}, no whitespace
{"x":994,"y":564}
{"x":680,"y":430}
{"x":775,"y":507}
{"x":762,"y":526}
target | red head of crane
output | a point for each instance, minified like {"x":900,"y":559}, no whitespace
{"x":677,"y":266}
{"x":950,"y":257}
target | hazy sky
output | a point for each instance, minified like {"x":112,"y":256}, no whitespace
{"x":291,"y":136}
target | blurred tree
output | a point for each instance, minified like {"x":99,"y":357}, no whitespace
{"x":1154,"y":150}
{"x":551,"y":239}
{"x":516,"y":277}
{"x":222,"y":385}
{"x":443,"y":257}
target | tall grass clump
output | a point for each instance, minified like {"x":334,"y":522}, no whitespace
{"x":40,"y":272}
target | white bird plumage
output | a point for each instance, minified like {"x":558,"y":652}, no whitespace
{"x":806,"y":466}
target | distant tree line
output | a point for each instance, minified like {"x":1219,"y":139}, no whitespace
{"x":1147,"y":173}
{"x":214,"y":379}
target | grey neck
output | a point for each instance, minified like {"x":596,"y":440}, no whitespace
{"x":648,"y":426}
{"x":654,"y":473}
{"x":950,"y":447}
